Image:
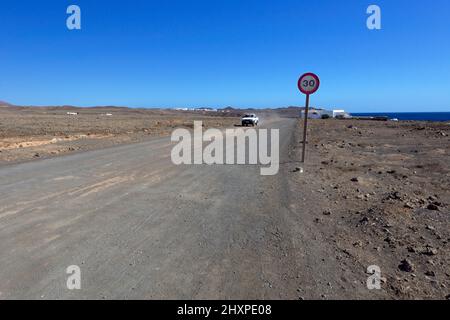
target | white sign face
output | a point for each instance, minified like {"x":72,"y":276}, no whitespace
{"x":308,"y":83}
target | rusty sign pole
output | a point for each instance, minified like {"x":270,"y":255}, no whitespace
{"x":307,"y":84}
{"x":305,"y":128}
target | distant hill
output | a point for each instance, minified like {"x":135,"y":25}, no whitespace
{"x":62,"y":107}
{"x":5,"y":104}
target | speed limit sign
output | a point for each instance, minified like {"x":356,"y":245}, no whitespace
{"x":308,"y":83}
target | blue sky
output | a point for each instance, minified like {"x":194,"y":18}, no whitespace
{"x":243,"y":53}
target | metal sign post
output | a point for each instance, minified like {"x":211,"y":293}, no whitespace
{"x":307,"y":84}
{"x":305,"y":128}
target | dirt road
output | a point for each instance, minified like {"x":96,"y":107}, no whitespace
{"x":140,"y":227}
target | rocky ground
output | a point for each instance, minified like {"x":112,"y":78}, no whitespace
{"x":383,"y":195}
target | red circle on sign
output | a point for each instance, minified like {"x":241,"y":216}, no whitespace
{"x":303,"y":88}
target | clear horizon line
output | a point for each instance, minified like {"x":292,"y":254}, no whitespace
{"x":200,"y":107}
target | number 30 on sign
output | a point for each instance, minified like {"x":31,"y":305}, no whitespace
{"x":308,"y":83}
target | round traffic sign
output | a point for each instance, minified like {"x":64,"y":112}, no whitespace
{"x":308,"y":83}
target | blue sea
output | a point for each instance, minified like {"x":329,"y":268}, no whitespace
{"x":418,"y":116}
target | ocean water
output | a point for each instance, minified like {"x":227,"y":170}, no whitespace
{"x":418,"y":116}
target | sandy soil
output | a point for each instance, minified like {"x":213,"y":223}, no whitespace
{"x":371,"y":193}
{"x":380,"y":192}
{"x":30,"y":133}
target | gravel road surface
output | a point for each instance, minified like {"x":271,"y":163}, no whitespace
{"x":140,"y":227}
